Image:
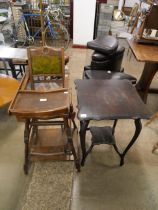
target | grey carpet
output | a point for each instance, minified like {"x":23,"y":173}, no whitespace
{"x":50,"y":186}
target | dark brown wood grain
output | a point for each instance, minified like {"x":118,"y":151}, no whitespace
{"x":109,"y":99}
{"x":144,"y":52}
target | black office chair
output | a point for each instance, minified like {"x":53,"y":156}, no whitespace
{"x":106,"y":60}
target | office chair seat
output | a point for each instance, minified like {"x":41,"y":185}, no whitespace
{"x":105,"y":44}
{"x":99,"y":74}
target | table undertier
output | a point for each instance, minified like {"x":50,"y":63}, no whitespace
{"x":102,"y":135}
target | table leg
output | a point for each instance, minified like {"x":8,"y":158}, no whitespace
{"x":83,"y":128}
{"x":114,"y":126}
{"x":146,"y":78}
{"x":12,"y":69}
{"x":5,"y":66}
{"x":138,"y":127}
{"x":26,"y":141}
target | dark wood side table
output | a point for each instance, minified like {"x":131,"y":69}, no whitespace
{"x":109,"y":100}
{"x":149,"y":55}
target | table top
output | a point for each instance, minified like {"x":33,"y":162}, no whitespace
{"x":144,"y":52}
{"x":8,"y":88}
{"x":109,"y":99}
{"x":13,"y":53}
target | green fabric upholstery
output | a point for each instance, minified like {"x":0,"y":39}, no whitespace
{"x":46,"y":64}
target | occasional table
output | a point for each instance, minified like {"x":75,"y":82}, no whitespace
{"x":149,"y":55}
{"x":108,"y":100}
{"x":8,"y":88}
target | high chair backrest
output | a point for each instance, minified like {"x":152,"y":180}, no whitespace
{"x":46,"y":64}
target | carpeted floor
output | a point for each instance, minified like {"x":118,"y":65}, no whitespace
{"x":50,"y":187}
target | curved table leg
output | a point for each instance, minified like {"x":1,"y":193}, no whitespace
{"x":146,"y":78}
{"x":138,"y":127}
{"x":83,"y":128}
{"x":114,"y":126}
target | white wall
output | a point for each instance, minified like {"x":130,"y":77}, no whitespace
{"x":83,"y":21}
